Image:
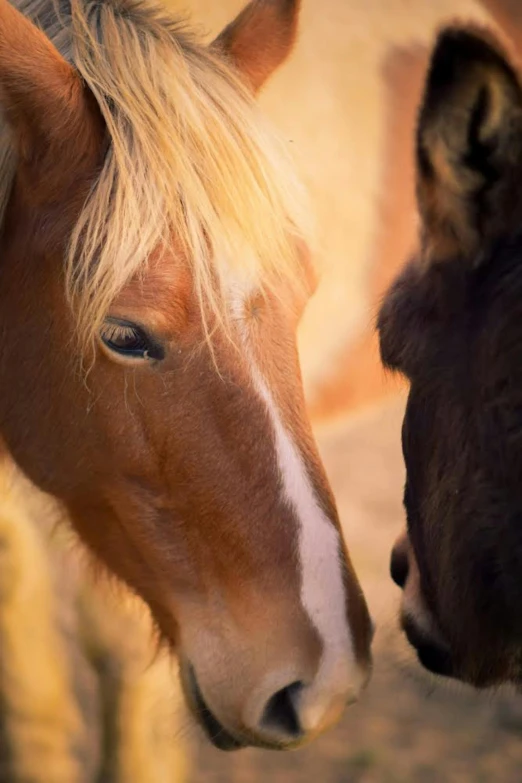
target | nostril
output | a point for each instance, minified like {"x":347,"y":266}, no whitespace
{"x":399,"y":566}
{"x":280,"y":714}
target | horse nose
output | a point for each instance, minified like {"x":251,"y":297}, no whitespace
{"x":281,"y":714}
{"x":299,"y":711}
{"x":399,"y":562}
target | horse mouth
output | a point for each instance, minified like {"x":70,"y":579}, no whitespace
{"x":215,"y":732}
{"x":437,"y":658}
{"x":433,"y":656}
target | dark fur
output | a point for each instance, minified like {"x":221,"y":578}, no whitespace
{"x":452,"y":323}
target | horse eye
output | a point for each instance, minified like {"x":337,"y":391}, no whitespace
{"x":129,"y":340}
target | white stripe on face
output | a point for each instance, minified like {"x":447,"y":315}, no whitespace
{"x":322,"y":586}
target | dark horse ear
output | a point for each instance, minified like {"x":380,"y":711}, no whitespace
{"x":469,"y":145}
{"x":260,"y":39}
{"x":51,"y":113}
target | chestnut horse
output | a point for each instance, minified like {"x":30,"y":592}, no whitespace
{"x":153,"y":270}
{"x":452,"y":324}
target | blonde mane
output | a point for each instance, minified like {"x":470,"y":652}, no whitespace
{"x":189,"y":156}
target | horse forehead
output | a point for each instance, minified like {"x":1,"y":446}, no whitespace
{"x":261,"y":328}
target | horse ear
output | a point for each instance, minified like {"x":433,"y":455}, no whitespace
{"x":469,"y":145}
{"x":42,"y":98}
{"x":261,"y":38}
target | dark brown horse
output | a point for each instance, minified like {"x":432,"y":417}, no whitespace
{"x":153,"y":270}
{"x":452,"y":323}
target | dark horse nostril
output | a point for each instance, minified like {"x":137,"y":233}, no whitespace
{"x":399,"y":566}
{"x":280,"y":713}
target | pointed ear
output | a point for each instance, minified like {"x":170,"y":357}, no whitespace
{"x":51,"y":113}
{"x":261,"y":38}
{"x":469,"y":145}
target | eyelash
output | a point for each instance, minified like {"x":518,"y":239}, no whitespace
{"x":130,"y":340}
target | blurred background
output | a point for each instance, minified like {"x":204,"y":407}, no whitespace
{"x":84,"y":694}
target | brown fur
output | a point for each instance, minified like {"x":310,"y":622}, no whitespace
{"x":167,"y":467}
{"x":274,"y":23}
{"x":54,"y":116}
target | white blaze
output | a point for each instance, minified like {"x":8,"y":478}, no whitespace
{"x":322,"y":584}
